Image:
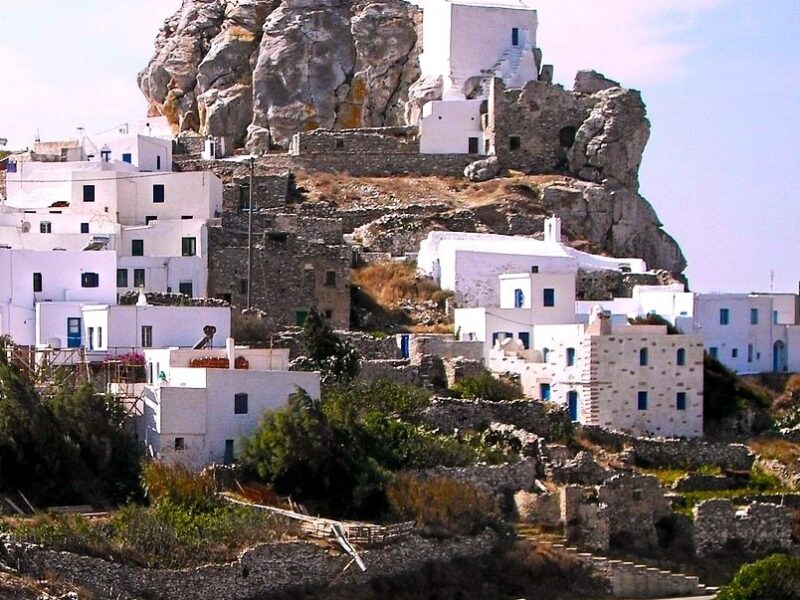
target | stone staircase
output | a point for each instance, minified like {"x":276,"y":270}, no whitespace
{"x":627,"y":579}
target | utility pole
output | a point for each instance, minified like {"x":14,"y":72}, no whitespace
{"x":250,"y":239}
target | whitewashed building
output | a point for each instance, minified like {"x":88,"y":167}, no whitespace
{"x":464,"y":42}
{"x":197,"y":415}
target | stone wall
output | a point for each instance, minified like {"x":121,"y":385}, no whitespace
{"x":636,"y":503}
{"x":543,"y":509}
{"x":443,"y":346}
{"x":269,"y":190}
{"x":457,"y":369}
{"x":264,"y":569}
{"x":369,"y":347}
{"x":586,"y":520}
{"x":721,"y":528}
{"x":395,"y":370}
{"x":607,"y":285}
{"x":541,"y":418}
{"x":370,"y":140}
{"x":493,"y":479}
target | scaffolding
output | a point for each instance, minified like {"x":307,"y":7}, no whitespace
{"x":51,"y":369}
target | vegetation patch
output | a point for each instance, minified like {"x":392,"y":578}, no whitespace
{"x":487,"y":387}
{"x":776,"y":577}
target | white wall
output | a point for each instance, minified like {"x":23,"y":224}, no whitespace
{"x":446,"y":127}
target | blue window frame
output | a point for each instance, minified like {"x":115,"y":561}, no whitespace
{"x":680,"y":401}
{"x":549,"y":297}
{"x":572,"y":405}
{"x":127,"y":157}
{"x":643,"y":357}
{"x":515,"y":36}
{"x":642,"y":401}
{"x":525,"y":338}
{"x":753,"y":316}
{"x":158,"y":192}
{"x":240,"y":404}
{"x":519,"y":298}
{"x":570,"y":357}
{"x":84,"y":228}
{"x":774,"y":317}
{"x":88,"y":193}
{"x":73,"y":332}
{"x":713,"y":352}
{"x":544,"y":391}
{"x":681,"y":357}
{"x":724,"y":316}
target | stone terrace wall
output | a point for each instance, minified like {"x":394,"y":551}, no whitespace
{"x":493,"y":479}
{"x":368,"y":347}
{"x":390,"y":140}
{"x":398,"y":371}
{"x":264,"y":569}
{"x":443,"y":346}
{"x":757,"y":529}
{"x":540,"y":418}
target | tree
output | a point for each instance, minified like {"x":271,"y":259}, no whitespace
{"x":776,"y":577}
{"x":326,"y":352}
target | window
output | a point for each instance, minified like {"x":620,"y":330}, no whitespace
{"x":549,"y":297}
{"x":88,"y":193}
{"x":147,"y":336}
{"x":90,"y":280}
{"x":186,"y":217}
{"x":158,"y":162}
{"x":749,"y":353}
{"x":570,"y":357}
{"x":535,"y":269}
{"x":339,"y":143}
{"x":229,"y":452}
{"x":138,"y":278}
{"x":240,"y":404}
{"x":186,"y":288}
{"x":137,"y":247}
{"x":642,"y":401}
{"x":180,"y":444}
{"x":519,"y":298}
{"x":90,"y":335}
{"x":84,"y":228}
{"x":73,"y":332}
{"x":122,"y":278}
{"x":188,"y":246}
{"x":99,"y":337}
{"x":572,"y":405}
{"x":300,"y":317}
{"x":514,"y":142}
{"x":515,"y":36}
{"x":734,"y":353}
{"x":525,"y":338}
{"x":37,"y":282}
{"x":243,"y":286}
{"x":330,"y":278}
{"x":328,"y":314}
{"x":244,"y":197}
{"x":680,"y":401}
{"x":724,"y":316}
{"x":158,"y":192}
{"x":126,"y":157}
{"x":681,"y":357}
{"x":713,"y":352}
{"x":753,"y":316}
{"x":545,"y":354}
{"x":149,"y":219}
{"x":473,"y":145}
{"x":544,"y":391}
{"x":643,"y":357}
{"x":774,"y":317}
{"x":45,"y":227}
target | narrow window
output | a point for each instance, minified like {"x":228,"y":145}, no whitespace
{"x":545,"y":354}
{"x":753,"y":316}
{"x":45,"y":227}
{"x":643,"y":357}
{"x":90,"y":335}
{"x":681,"y":357}
{"x":122,"y":278}
{"x":570,"y":357}
{"x":330,"y":278}
{"x":84,"y":228}
{"x":473,"y":145}
{"x":549,"y":297}
{"x":90,"y":280}
{"x":158,"y":162}
{"x":642,"y":401}
{"x":240,"y":404}
{"x":243,"y":286}
{"x":774,"y":317}
{"x":128,"y":158}
{"x":713,"y":352}
{"x":88,"y":193}
{"x":137,"y":247}
{"x":186,"y":288}
{"x":544,"y":391}
{"x":244,"y":197}
{"x":514,"y":142}
{"x":37,"y":282}
{"x":680,"y":401}
{"x":515,"y":36}
{"x":749,"y":353}
{"x":158,"y":192}
{"x":229,"y":452}
{"x":734,"y":353}
{"x":99,"y":337}
{"x":147,"y":336}
{"x":180,"y":444}
{"x":138,"y":278}
{"x":525,"y":338}
{"x":188,"y":246}
{"x":572,"y":405}
{"x":724,"y":316}
{"x":519,"y":298}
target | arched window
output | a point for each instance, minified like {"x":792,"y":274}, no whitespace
{"x":681,"y":357}
{"x":570,"y":357}
{"x":643,"y":357}
{"x":519,"y":298}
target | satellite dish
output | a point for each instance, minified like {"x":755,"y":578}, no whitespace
{"x":26,"y":227}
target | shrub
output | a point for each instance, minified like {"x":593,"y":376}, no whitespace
{"x":178,"y":485}
{"x":326,"y":352}
{"x":776,"y":577}
{"x":440,"y":504}
{"x":724,"y":393}
{"x":486,"y":387}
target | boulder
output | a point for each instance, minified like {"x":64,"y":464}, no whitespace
{"x":483,"y":170}
{"x":591,"y":82}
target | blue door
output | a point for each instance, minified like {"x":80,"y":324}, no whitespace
{"x":73,"y":332}
{"x":572,"y":402}
{"x":405,"y":341}
{"x":544,"y":391}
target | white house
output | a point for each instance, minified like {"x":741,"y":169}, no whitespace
{"x":197,"y":414}
{"x":465,"y":43}
{"x":29,"y":278}
{"x":633,"y":378}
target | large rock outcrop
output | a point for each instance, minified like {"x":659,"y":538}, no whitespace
{"x":257,"y":71}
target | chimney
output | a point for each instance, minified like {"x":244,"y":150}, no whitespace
{"x":230,"y":350}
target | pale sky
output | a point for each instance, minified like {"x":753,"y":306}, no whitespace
{"x":721,"y":79}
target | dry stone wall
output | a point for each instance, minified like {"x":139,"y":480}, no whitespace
{"x":264,"y":569}
{"x":493,"y":479}
{"x":721,"y":528}
{"x":377,"y":140}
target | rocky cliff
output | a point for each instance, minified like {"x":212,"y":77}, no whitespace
{"x":257,"y":71}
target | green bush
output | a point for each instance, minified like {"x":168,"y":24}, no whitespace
{"x":177,"y":484}
{"x":724,"y":393}
{"x":486,"y":387}
{"x":776,"y":577}
{"x":441,"y":505}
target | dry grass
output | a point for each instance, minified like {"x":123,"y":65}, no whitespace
{"x":783,"y":451}
{"x":391,"y":283}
